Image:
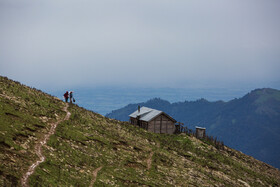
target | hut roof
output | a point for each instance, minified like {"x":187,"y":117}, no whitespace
{"x":203,"y":128}
{"x":148,"y":114}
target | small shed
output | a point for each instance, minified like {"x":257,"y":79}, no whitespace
{"x":153,"y":120}
{"x":200,"y":132}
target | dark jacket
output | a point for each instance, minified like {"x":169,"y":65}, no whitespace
{"x":66,"y":95}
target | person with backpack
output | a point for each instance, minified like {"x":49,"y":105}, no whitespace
{"x":71,"y":97}
{"x":66,"y":96}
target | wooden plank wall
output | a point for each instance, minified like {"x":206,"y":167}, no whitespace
{"x":141,"y":124}
{"x":161,"y":124}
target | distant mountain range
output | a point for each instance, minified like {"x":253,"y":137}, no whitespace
{"x":250,"y":124}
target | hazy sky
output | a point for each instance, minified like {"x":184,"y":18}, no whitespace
{"x":163,"y":43}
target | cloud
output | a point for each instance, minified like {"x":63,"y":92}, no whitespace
{"x":139,"y":42}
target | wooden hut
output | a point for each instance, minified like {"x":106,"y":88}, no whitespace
{"x":153,"y":120}
{"x":200,"y":132}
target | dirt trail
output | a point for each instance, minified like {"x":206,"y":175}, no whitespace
{"x":38,"y":148}
{"x":94,"y":176}
{"x":149,"y":160}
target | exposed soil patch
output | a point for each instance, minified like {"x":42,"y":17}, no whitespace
{"x":132,"y":164}
{"x":149,"y":160}
{"x":94,"y":175}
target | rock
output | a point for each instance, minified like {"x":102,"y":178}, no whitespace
{"x":24,"y":146}
{"x":244,"y":183}
{"x":22,"y":151}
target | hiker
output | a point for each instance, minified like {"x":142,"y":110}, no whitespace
{"x":66,"y":96}
{"x":71,"y":97}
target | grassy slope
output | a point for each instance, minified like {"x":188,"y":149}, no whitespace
{"x":25,"y":115}
{"x":89,"y":140}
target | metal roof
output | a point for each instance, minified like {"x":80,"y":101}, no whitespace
{"x":200,"y":127}
{"x":147,"y":114}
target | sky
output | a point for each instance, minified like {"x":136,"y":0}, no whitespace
{"x":147,"y":43}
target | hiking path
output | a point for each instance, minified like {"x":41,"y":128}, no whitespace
{"x":39,"y":145}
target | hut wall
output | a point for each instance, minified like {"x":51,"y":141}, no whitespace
{"x":170,"y":127}
{"x":141,"y":124}
{"x":144,"y":125}
{"x":133,"y":121}
{"x":200,"y":133}
{"x":161,"y":124}
{"x":151,"y":126}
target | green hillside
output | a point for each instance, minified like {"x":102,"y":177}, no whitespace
{"x":92,"y":150}
{"x":250,"y":124}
